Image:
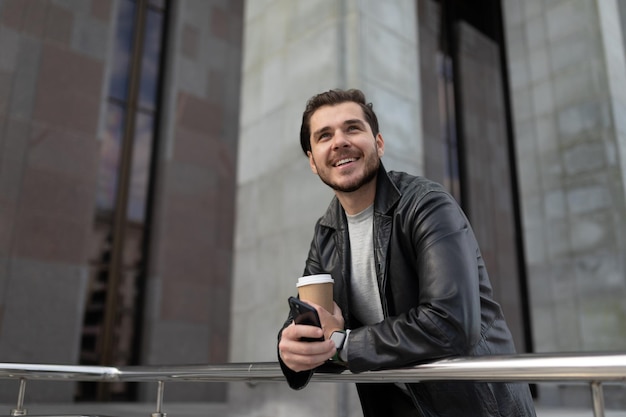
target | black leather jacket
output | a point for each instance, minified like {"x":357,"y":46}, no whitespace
{"x":436,"y":298}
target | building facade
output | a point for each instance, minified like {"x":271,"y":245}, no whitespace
{"x":515,"y":106}
{"x":156,"y":208}
{"x":118,"y":150}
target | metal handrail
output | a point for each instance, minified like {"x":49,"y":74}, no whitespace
{"x":594,"y":368}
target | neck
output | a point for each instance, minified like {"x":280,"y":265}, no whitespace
{"x":357,"y":201}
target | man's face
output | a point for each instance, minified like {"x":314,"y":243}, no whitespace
{"x":344,"y":152}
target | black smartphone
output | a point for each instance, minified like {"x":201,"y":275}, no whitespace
{"x":304,"y":313}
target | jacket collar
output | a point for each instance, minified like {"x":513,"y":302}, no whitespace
{"x":387,"y":195}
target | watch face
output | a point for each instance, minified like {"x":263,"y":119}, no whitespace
{"x":338,"y":338}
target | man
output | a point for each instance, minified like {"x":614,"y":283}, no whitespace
{"x":410,"y":283}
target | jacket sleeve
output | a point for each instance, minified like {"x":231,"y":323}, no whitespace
{"x":298,"y":380}
{"x":436,"y":259}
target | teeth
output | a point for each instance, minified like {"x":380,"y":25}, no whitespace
{"x":344,"y":161}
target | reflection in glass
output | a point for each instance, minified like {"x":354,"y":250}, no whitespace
{"x":157,"y":3}
{"x":120,"y":73}
{"x":150,"y":60}
{"x":110,"y":157}
{"x":111,"y":325}
{"x":140,"y":170}
{"x":448,"y":124}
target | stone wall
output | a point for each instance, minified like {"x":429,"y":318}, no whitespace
{"x":52,"y":69}
{"x":567,"y":73}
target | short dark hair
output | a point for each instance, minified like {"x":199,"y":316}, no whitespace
{"x":331,"y":98}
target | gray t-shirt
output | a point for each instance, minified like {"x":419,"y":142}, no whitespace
{"x":364,"y":285}
{"x":366,"y":304}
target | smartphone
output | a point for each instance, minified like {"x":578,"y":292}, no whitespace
{"x":304,"y":313}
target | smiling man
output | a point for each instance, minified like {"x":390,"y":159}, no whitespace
{"x":410,"y":283}
{"x":343,"y":153}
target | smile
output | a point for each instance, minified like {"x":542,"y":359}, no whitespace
{"x":344,"y":161}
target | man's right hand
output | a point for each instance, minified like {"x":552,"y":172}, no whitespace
{"x":303,"y":356}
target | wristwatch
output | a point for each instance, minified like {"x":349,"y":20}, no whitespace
{"x":339,"y":338}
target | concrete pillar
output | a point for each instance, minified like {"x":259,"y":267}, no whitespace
{"x":293,"y":50}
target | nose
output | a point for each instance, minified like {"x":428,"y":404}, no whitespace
{"x":340,"y":140}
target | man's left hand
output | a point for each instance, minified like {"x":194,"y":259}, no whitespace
{"x":330,"y":322}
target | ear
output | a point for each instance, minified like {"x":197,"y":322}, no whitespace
{"x":311,"y":162}
{"x":380,"y":145}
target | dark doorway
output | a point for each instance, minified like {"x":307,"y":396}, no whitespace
{"x":468,"y":139}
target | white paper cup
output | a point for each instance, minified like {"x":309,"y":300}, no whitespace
{"x":317,"y":289}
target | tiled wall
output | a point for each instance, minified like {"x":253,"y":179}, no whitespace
{"x":568,"y":103}
{"x":53,"y":64}
{"x":570,"y":172}
{"x":51,"y":74}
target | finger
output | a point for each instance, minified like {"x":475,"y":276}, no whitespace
{"x":304,"y":363}
{"x":304,"y":348}
{"x":301,"y":356}
{"x":297,"y":331}
{"x":291,"y":340}
{"x":303,"y":330}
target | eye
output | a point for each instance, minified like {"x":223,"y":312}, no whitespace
{"x":323,"y":136}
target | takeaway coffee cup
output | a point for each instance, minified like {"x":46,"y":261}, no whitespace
{"x":317,"y":289}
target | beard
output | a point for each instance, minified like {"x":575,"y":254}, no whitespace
{"x":369,"y":174}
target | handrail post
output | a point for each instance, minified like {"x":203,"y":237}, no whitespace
{"x":597,"y":397}
{"x":159,"y":407}
{"x":20,"y":410}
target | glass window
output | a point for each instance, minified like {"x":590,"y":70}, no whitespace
{"x":110,"y":334}
{"x":110,"y":157}
{"x":140,"y":171}
{"x":151,"y":59}
{"x":120,"y":74}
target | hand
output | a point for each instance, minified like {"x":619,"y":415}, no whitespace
{"x":330,"y":322}
{"x":302,"y":356}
